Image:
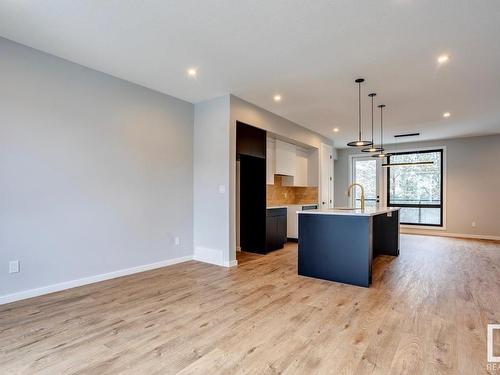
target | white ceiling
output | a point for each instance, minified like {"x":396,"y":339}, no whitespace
{"x":308,"y":51}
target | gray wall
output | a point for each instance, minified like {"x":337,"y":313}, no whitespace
{"x":473,"y":182}
{"x":211,"y":171}
{"x":96,"y":174}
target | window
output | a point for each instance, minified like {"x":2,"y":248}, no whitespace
{"x":417,"y":189}
{"x":366,"y":172}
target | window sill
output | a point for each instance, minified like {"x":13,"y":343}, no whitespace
{"x":422,"y":227}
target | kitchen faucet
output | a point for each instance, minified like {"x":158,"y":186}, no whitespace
{"x":351,"y":186}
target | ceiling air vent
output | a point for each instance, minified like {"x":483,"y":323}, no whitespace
{"x":406,"y":135}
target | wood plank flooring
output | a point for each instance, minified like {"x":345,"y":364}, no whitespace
{"x":426,"y":313}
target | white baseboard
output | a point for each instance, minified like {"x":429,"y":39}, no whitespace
{"x":446,"y":234}
{"x":212,"y":256}
{"x":232,"y":263}
{"x":88,"y":280}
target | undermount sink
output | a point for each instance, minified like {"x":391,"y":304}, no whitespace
{"x":345,"y":208}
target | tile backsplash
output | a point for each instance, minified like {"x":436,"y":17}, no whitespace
{"x":278,"y":194}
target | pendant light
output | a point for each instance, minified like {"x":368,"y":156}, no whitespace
{"x":382,"y":154}
{"x":359,"y":142}
{"x":372,"y":148}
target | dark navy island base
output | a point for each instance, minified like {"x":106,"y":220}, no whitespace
{"x":341,"y":247}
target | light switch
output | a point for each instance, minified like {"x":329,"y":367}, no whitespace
{"x":14,"y":266}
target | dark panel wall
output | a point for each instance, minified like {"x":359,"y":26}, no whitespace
{"x":250,"y":141}
{"x":252,"y":203}
{"x":251,"y":151}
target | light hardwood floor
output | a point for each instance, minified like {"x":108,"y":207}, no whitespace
{"x":426,"y":312}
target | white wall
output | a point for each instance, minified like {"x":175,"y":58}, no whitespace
{"x":96,"y":174}
{"x":473,"y":183}
{"x":211,"y":172}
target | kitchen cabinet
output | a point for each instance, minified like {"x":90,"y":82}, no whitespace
{"x":285,"y":158}
{"x":306,"y":168}
{"x":298,"y":166}
{"x":250,"y":140}
{"x":251,"y":154}
{"x":293,"y":219}
{"x":301,"y":161}
{"x":341,"y":247}
{"x":276,"y":228}
{"x":291,"y":222}
{"x":270,"y":161}
{"x":313,"y":168}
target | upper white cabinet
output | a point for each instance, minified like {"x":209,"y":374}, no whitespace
{"x":270,"y":161}
{"x":301,"y":167}
{"x":306,"y":168}
{"x":285,"y":158}
{"x":313,"y":168}
{"x":298,"y":166}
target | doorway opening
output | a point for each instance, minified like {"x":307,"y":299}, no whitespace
{"x":366,"y":171}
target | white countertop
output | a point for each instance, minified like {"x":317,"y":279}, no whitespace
{"x":368,"y":211}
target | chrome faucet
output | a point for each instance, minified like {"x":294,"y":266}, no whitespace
{"x":351,"y":186}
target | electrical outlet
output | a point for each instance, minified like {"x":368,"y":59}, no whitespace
{"x":474,"y":224}
{"x":177,"y":241}
{"x":14,"y":266}
{"x":222,"y":189}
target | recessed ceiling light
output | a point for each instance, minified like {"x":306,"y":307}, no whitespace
{"x":277,"y":98}
{"x":192,"y":72}
{"x":443,"y":59}
{"x":336,"y":130}
{"x":446,"y":114}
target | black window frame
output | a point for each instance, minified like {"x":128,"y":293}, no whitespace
{"x":440,"y":206}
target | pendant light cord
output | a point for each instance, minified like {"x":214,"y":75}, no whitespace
{"x":372,"y":95}
{"x":359,"y":142}
{"x":372,"y":120}
{"x":359,"y":111}
{"x":381,"y":127}
{"x":382,"y":153}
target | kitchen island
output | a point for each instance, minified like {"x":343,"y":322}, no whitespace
{"x":339,"y":244}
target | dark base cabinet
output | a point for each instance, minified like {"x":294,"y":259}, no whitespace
{"x":275,"y":228}
{"x":341,"y":248}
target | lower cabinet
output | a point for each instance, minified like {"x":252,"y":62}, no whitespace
{"x":292,"y":222}
{"x":276,"y":228}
